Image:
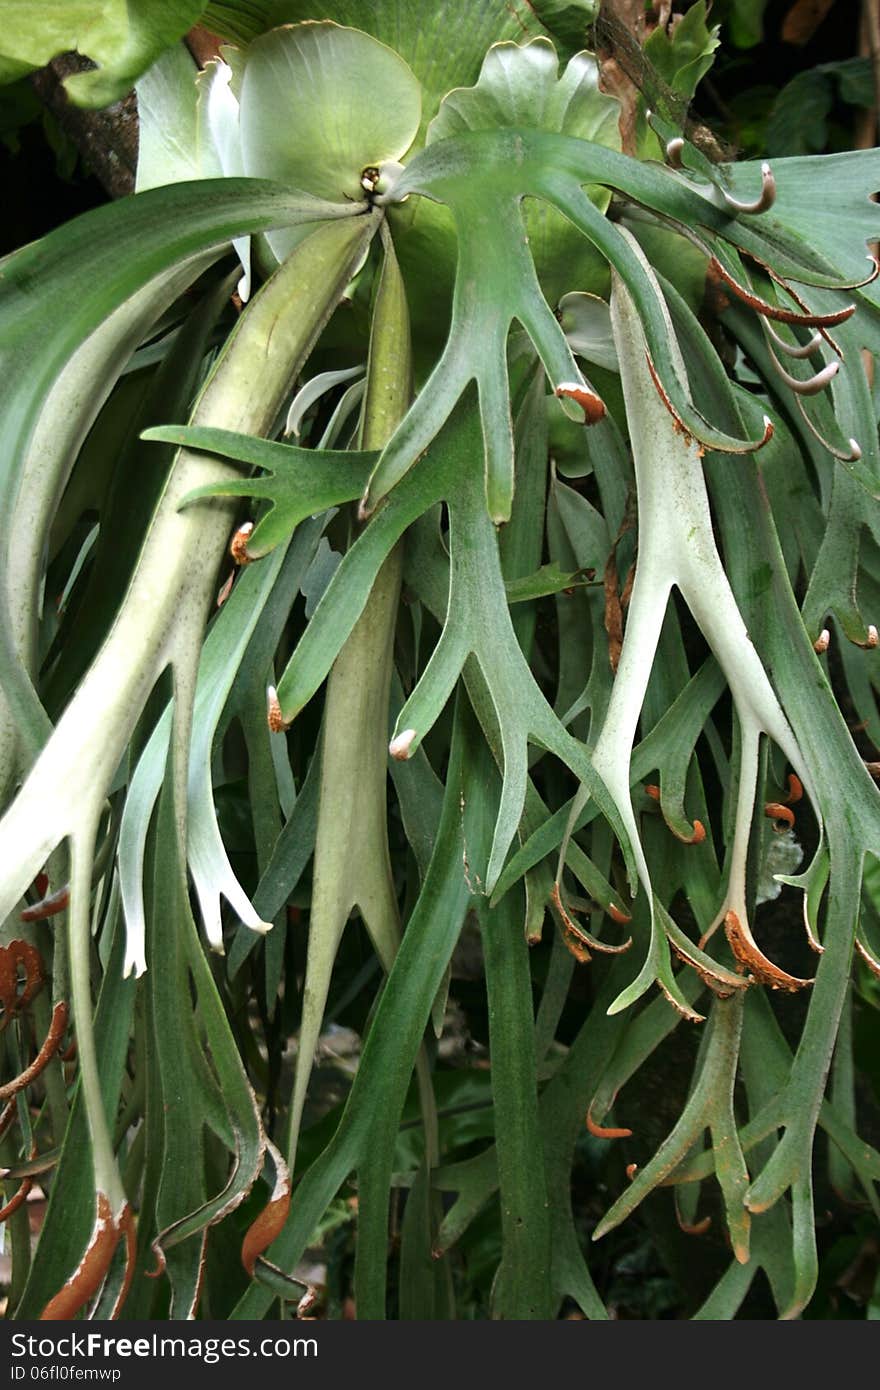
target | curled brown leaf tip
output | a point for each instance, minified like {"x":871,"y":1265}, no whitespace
{"x":631,"y":1170}
{"x":579,"y":941}
{"x":268,"y":1224}
{"x":20,"y":1196}
{"x":238,"y":544}
{"x":48,"y":906}
{"x":129,"y":1231}
{"x":600,"y":1132}
{"x":781,"y":815}
{"x":21,"y":977}
{"x":576,"y":946}
{"x":618,"y":915}
{"x":696,"y":837}
{"x":592,"y":405}
{"x":87,"y":1278}
{"x":696,"y":1228}
{"x":264,"y":1229}
{"x":762,"y":971}
{"x":653,"y":791}
{"x":53,"y":1040}
{"x":870,"y":639}
{"x":720,"y":981}
{"x":795,"y":788}
{"x":821,"y":643}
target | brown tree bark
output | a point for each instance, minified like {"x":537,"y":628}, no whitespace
{"x":107,"y":139}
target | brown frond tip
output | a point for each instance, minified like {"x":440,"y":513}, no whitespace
{"x":821,"y":643}
{"x":600,"y":1132}
{"x":48,"y":906}
{"x":576,"y":946}
{"x":238,"y":544}
{"x":52,"y":1043}
{"x":870,"y":639}
{"x":275,"y":718}
{"x":581,"y":942}
{"x":21,"y":976}
{"x":696,"y":1228}
{"x":270,"y":1221}
{"x":264,"y":1229}
{"x":781,"y":815}
{"x":696,"y":837}
{"x":618,"y":915}
{"x":795,"y":788}
{"x":89,"y":1275}
{"x":571,"y":934}
{"x":20,"y":1196}
{"x":762,"y":971}
{"x":592,"y":405}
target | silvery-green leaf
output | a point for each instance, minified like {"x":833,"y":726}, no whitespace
{"x":520,"y":86}
{"x":189,"y":129}
{"x":586,"y":322}
{"x":312,"y":391}
{"x":320,"y":104}
{"x":171,"y":143}
{"x":220,"y":129}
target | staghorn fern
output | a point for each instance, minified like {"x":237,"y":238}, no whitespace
{"x":517,"y":766}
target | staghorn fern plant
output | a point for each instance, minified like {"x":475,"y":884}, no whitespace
{"x":505,"y":347}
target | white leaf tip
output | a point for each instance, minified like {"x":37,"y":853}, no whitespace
{"x":400,"y":746}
